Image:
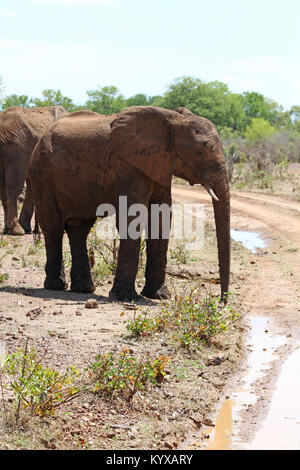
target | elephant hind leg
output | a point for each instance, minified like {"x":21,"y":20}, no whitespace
{"x":12,"y":193}
{"x":14,"y":227}
{"x":78,"y":230}
{"x":4,"y":204}
{"x":55,"y":272}
{"x":27,"y":210}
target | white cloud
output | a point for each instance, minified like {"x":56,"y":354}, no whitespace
{"x":71,"y":3}
{"x":7,"y":14}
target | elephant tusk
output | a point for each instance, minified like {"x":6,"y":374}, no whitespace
{"x":211,"y":193}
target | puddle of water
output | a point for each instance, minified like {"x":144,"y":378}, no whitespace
{"x":225,"y":433}
{"x":262,"y":346}
{"x":281,"y":428}
{"x":250,"y":240}
{"x":221,"y":435}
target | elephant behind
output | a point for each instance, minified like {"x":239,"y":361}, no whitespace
{"x":20,"y":129}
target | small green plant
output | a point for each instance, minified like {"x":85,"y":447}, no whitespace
{"x":140,"y":325}
{"x":3,"y":277}
{"x":101,"y":270}
{"x":124,"y":373}
{"x":33,"y":249}
{"x":195,"y":318}
{"x":180,"y":253}
{"x":4,"y":240}
{"x":37,"y":389}
{"x":102,"y":256}
{"x":191,"y":317}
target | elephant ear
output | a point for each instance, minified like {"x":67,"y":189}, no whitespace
{"x":142,"y":136}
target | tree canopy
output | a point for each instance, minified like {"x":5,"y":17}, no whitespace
{"x":248,"y":114}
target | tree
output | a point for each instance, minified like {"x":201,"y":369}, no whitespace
{"x":105,"y":100}
{"x":258,"y":130}
{"x":54,"y":98}
{"x":212,"y":100}
{"x":17,"y":100}
{"x":257,"y":106}
{"x":137,"y":100}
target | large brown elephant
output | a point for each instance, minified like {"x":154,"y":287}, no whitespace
{"x":20,"y":129}
{"x":85,"y":160}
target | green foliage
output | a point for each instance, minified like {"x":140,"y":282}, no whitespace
{"x":38,"y":389}
{"x":105,"y":100}
{"x":141,"y":325}
{"x":212,"y":100}
{"x":138,"y":100}
{"x":192,"y":318}
{"x":197,"y":319}
{"x":180,"y":253}
{"x":54,"y":98}
{"x":114,"y":373}
{"x":259,"y":129}
{"x":102,"y":255}
{"x":257,"y":106}
{"x":17,"y":100}
{"x":3,"y":277}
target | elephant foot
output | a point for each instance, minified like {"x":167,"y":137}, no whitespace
{"x":123,"y":294}
{"x":83,"y":287}
{"x":26,"y":229}
{"x":153,"y":293}
{"x":25,"y":226}
{"x":55,"y":284}
{"x":16,"y":230}
{"x":5,"y":230}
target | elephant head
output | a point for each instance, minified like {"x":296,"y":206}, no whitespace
{"x":162,"y":143}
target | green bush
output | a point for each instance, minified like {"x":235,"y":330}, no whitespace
{"x":190,"y":318}
{"x":114,"y":373}
{"x":37,"y":389}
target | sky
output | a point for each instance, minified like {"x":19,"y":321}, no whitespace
{"x":141,"y":46}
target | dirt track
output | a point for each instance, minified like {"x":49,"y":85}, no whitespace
{"x":271,"y":290}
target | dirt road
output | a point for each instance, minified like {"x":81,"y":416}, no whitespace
{"x":271,"y":297}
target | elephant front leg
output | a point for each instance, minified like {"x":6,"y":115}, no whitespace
{"x":157,"y":249}
{"x":55,"y":272}
{"x":81,"y":279}
{"x":124,"y":284}
{"x":156,"y":270}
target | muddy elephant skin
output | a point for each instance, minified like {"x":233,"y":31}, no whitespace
{"x":20,"y":129}
{"x":85,"y":160}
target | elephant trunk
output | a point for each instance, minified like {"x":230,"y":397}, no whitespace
{"x":222,"y":220}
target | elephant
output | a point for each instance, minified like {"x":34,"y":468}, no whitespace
{"x":85,"y":160}
{"x":20,"y":129}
